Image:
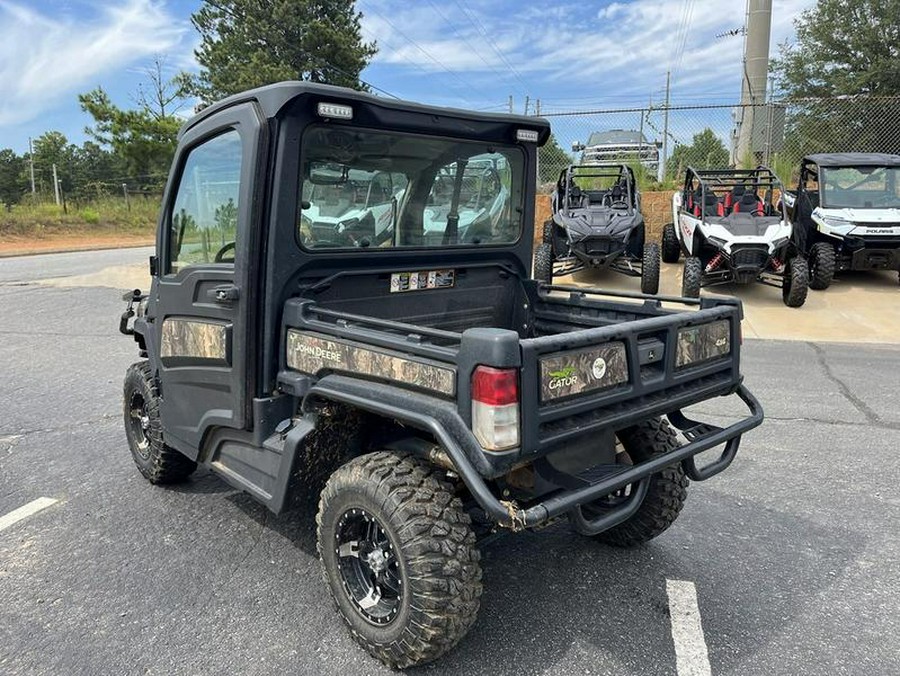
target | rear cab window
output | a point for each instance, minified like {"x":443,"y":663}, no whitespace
{"x":376,"y":189}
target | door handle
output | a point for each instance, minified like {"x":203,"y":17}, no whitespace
{"x":224,"y":294}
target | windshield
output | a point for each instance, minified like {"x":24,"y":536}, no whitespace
{"x":374,"y":189}
{"x":860,"y":187}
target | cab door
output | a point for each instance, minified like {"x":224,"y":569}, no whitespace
{"x":201,"y":324}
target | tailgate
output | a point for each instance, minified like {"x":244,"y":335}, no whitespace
{"x":616,"y":375}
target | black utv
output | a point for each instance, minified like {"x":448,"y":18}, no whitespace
{"x":407,"y":382}
{"x":597,"y":222}
{"x":846,"y":213}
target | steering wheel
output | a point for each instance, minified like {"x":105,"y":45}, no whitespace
{"x":220,"y":254}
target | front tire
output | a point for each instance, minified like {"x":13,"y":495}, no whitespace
{"x":650,"y":269}
{"x":398,"y":553}
{"x":543,"y":263}
{"x":159,"y":463}
{"x":821,"y":265}
{"x":547,"y":233}
{"x":666,"y":494}
{"x":795,"y":282}
{"x":692,"y":277}
{"x":671,"y":249}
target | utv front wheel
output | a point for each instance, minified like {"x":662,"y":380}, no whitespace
{"x":671,"y":249}
{"x":692,"y":277}
{"x":821,"y":265}
{"x":795,"y":282}
{"x":543,"y":263}
{"x":650,"y":269}
{"x":547,"y":233}
{"x":159,"y":463}
{"x":398,"y":553}
{"x":665,"y":496}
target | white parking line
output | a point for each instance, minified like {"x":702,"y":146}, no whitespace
{"x":691,"y":657}
{"x":25,"y":511}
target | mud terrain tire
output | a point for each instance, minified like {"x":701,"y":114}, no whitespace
{"x":821,"y":265}
{"x":692,"y":277}
{"x":159,"y":463}
{"x":671,"y":249}
{"x":543,"y":263}
{"x":668,"y":488}
{"x":650,"y":269}
{"x":427,"y":552}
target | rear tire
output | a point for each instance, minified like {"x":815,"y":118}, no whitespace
{"x":543,"y":263}
{"x":650,"y":269}
{"x":159,"y":463}
{"x":668,"y":488}
{"x":795,"y":282}
{"x":409,"y":588}
{"x":821,"y":265}
{"x":692,"y":277}
{"x":671,"y":249}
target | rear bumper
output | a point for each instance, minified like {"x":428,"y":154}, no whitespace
{"x":443,"y":422}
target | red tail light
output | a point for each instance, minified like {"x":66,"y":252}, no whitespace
{"x":495,"y":407}
{"x":495,"y":387}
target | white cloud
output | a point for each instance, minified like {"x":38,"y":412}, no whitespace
{"x":44,"y":58}
{"x":623,"y":48}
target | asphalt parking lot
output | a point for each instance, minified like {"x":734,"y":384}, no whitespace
{"x":794,"y":551}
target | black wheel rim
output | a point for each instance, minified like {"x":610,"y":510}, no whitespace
{"x":368,"y":566}
{"x":139,"y":422}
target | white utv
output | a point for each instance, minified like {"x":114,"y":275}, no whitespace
{"x":846,"y":213}
{"x":731,"y":233}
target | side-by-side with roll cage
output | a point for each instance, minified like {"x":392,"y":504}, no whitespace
{"x":597,"y":222}
{"x":731,"y":232}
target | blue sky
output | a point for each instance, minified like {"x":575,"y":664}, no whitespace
{"x":465,"y":53}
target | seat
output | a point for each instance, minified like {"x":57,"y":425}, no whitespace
{"x":749,"y":203}
{"x":575,"y":197}
{"x":713,"y":206}
{"x":617,"y":198}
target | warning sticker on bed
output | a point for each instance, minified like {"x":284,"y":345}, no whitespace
{"x":422,"y":280}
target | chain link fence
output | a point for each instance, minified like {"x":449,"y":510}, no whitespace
{"x":659,"y":143}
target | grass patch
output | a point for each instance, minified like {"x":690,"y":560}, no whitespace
{"x":106,"y":215}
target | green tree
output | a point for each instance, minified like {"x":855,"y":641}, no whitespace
{"x":706,"y":151}
{"x":842,"y":49}
{"x":247,"y":43}
{"x":144,"y":139}
{"x":13,"y":182}
{"x":843,"y":56}
{"x":53,"y":148}
{"x":552,"y":159}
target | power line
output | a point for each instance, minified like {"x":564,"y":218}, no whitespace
{"x":480,"y":28}
{"x":474,"y":49}
{"x":429,"y":56}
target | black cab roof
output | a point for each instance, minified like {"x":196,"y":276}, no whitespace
{"x":853,"y":160}
{"x":273,"y":98}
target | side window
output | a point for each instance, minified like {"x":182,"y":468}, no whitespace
{"x":204,"y":215}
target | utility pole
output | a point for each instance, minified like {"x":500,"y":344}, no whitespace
{"x":756,"y":70}
{"x":661,"y":169}
{"x":31,"y":162}
{"x":510,"y":104}
{"x":55,"y":185}
{"x":527,"y":103}
{"x":537,"y":107}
